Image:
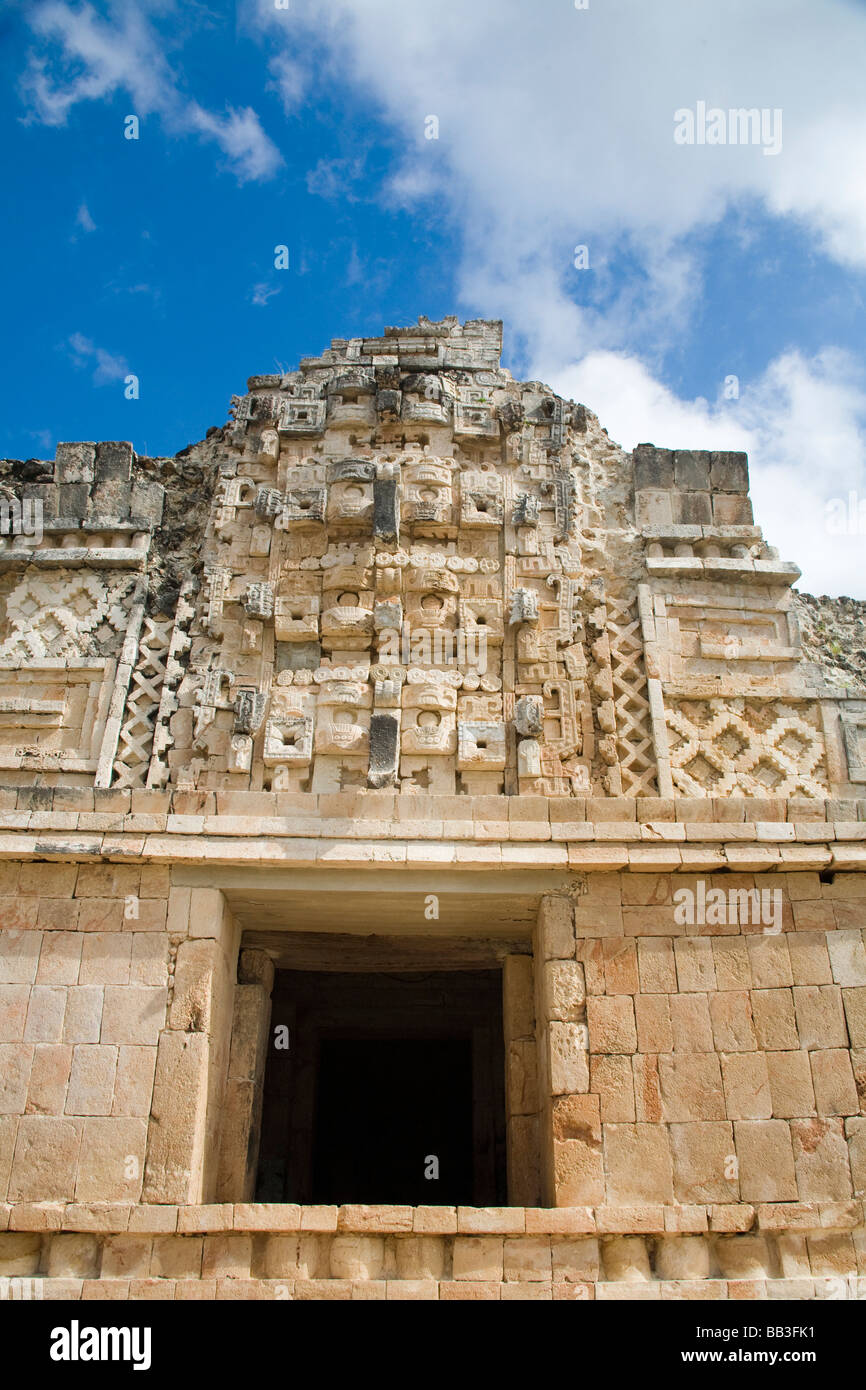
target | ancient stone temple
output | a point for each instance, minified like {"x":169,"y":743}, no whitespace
{"x":430,"y":865}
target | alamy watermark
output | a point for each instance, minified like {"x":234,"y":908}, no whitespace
{"x":77,"y":1343}
{"x":846,"y":516}
{"x":21,"y":518}
{"x":423,"y":646}
{"x":713,"y":907}
{"x":738,"y":125}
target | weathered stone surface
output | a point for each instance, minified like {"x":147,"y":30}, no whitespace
{"x":409,"y":659}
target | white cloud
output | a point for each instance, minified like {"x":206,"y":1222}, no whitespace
{"x":803,"y":424}
{"x":82,"y":57}
{"x":84,"y":220}
{"x":290,"y":80}
{"x":556,"y":129}
{"x":335,"y":178}
{"x":262,"y":292}
{"x":251,"y":155}
{"x":107,"y":366}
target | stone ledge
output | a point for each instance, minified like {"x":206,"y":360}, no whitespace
{"x":381,"y":1290}
{"x":57,"y":842}
{"x":250,"y":1218}
{"x":225,"y":811}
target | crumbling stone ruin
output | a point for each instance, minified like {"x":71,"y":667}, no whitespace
{"x":432,"y":864}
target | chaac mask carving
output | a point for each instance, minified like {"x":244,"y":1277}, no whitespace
{"x":408,"y":570}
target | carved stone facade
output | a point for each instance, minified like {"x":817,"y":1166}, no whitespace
{"x":401,"y":622}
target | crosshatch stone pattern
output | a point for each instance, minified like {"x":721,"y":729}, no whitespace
{"x":405,"y":619}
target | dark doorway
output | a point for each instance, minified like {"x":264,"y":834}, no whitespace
{"x":413,"y":1099}
{"x":391,"y":1090}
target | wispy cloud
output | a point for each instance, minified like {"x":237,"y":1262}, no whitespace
{"x":84,"y":220}
{"x":261,"y":293}
{"x":251,"y":155}
{"x":290,"y":80}
{"x":336,"y":178}
{"x":107,"y":366}
{"x":78,"y":56}
{"x":45,"y":440}
{"x":560,"y":132}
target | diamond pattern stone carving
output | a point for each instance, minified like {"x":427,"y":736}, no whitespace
{"x":67,"y":616}
{"x":634,"y":741}
{"x":135,"y":744}
{"x":747,"y":747}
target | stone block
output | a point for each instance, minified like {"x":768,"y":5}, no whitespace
{"x":847,"y":958}
{"x":747,"y":1086}
{"x":477,"y":1258}
{"x":419,"y":1257}
{"x":775,"y":1021}
{"x":820,"y":1016}
{"x":575,"y":1261}
{"x":578,"y":1172}
{"x":657,"y":966}
{"x":611,"y":1079}
{"x":133,"y":1014}
{"x":683,"y":1257}
{"x":704,"y":1163}
{"x":556,"y":939}
{"x":177,"y":1257}
{"x":833,"y":1078}
{"x":569,"y":1059}
{"x":821,"y":1159}
{"x":133,"y":1085}
{"x":766,"y":1161}
{"x":112,"y":1160}
{"x":732,"y":1022}
{"x":19,"y":1254}
{"x":790,"y":1078}
{"x":564,"y":990}
{"x":45,"y":1013}
{"x":527,"y":1259}
{"x":626,"y":1260}
{"x":611,"y":1024}
{"x":46,"y":1159}
{"x":621,"y":975}
{"x":690,"y":1022}
{"x":638,"y":1164}
{"x":176,"y":1130}
{"x":91,"y":1082}
{"x":691,"y":1087}
{"x":518,"y":1000}
{"x":73,"y":1257}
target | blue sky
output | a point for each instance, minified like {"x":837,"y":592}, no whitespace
{"x":307,"y":125}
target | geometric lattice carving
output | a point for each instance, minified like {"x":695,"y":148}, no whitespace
{"x":634,"y":740}
{"x":747,"y":747}
{"x":175,"y":665}
{"x":135,"y":743}
{"x":68,"y":616}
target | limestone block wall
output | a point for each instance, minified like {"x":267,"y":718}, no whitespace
{"x":693,"y":1094}
{"x":716,"y":1064}
{"x":115,"y":1010}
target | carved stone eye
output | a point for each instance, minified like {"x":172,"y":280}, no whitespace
{"x":429,"y":719}
{"x":431,"y":603}
{"x":348,"y":600}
